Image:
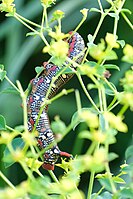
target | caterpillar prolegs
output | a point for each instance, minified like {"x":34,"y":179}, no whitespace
{"x":40,"y":86}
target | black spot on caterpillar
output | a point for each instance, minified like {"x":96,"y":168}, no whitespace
{"x":40,"y":86}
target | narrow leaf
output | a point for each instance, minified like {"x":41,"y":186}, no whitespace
{"x":111,"y":66}
{"x":2,"y":123}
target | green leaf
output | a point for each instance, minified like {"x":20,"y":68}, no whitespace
{"x":129,"y":152}
{"x":31,"y":34}
{"x":19,"y":128}
{"x":108,"y":90}
{"x":17,"y":143}
{"x":1,"y":66}
{"x":118,"y":180}
{"x":9,"y":90}
{"x":121,"y":42}
{"x":105,"y":183}
{"x":90,"y":37}
{"x":2,"y":75}
{"x":39,"y":69}
{"x":68,"y":71}
{"x":111,"y":66}
{"x":94,"y":10}
{"x":127,"y":193}
{"x":112,"y":156}
{"x":106,"y":195}
{"x":2,"y":123}
{"x":114,"y":15}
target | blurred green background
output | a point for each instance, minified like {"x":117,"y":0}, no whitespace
{"x":21,"y":54}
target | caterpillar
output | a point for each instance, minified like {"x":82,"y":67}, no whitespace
{"x":39,"y":88}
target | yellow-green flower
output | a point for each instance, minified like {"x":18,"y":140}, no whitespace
{"x":57,"y":49}
{"x":111,"y":40}
{"x":84,"y":12}
{"x":116,"y":122}
{"x":58,"y":35}
{"x":126,"y":98}
{"x":7,"y":6}
{"x":58,"y":14}
{"x":47,"y":3}
{"x":90,"y":118}
{"x":128,"y":54}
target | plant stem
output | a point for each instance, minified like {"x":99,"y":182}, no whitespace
{"x":28,"y":21}
{"x":91,"y":185}
{"x":13,"y":85}
{"x":53,"y":176}
{"x":23,"y":96}
{"x":123,"y":110}
{"x":127,"y":20}
{"x":7,"y":181}
{"x":86,"y":92}
{"x":108,"y":171}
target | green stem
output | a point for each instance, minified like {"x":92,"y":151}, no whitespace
{"x":53,"y":176}
{"x":91,"y":185}
{"x":95,"y":197}
{"x":91,"y":148}
{"x":25,"y":24}
{"x":123,"y":110}
{"x":27,"y":170}
{"x":13,"y":85}
{"x":117,"y":12}
{"x":109,"y":109}
{"x":28,"y":21}
{"x":23,"y":96}
{"x":86,"y":92}
{"x":7,"y":181}
{"x":108,"y":171}
{"x":100,"y":5}
{"x":127,"y":20}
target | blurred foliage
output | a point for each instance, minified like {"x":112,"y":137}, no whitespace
{"x":21,"y":55}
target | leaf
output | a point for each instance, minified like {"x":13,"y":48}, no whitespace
{"x":17,"y":143}
{"x":90,"y":37}
{"x":121,"y":42}
{"x":1,"y":66}
{"x":129,"y":152}
{"x":112,"y":156}
{"x":108,"y":90}
{"x":68,"y":71}
{"x":39,"y":69}
{"x":2,"y":123}
{"x":105,"y":183}
{"x":31,"y":34}
{"x":2,"y":75}
{"x":9,"y":90}
{"x":113,"y":15}
{"x":118,"y":180}
{"x":106,"y":195}
{"x":127,"y":193}
{"x":95,"y":10}
{"x":111,"y":66}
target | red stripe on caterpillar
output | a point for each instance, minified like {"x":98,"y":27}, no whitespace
{"x":40,"y":86}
